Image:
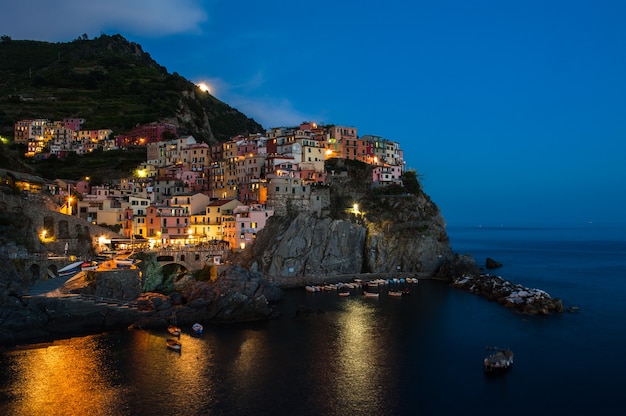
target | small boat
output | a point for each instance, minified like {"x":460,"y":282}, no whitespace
{"x":344,"y":293}
{"x":88,"y":265}
{"x":370,"y":294}
{"x":70,"y":269}
{"x":173,"y":344}
{"x":498,"y":359}
{"x":121,"y":262}
{"x":174,"y":330}
{"x":395,"y":293}
{"x":197,"y":328}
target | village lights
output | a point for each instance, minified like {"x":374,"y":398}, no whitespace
{"x":43,"y":234}
{"x":355,"y":208}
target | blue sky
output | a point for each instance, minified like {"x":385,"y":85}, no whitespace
{"x":513,"y":112}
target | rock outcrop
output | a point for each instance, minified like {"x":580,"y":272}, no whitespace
{"x":514,"y":296}
{"x":309,"y":245}
{"x":492,"y":264}
{"x":100,"y":301}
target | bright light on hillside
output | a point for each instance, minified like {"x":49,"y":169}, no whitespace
{"x":204,"y":87}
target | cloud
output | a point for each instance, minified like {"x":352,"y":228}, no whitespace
{"x":65,"y":20}
{"x":268,"y":111}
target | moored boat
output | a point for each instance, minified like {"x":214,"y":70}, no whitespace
{"x":89,"y":265}
{"x":395,"y":293}
{"x":173,"y":344}
{"x":197,"y":328}
{"x":370,"y":294}
{"x":174,"y":330}
{"x":70,"y":269}
{"x":121,"y":262}
{"x":498,"y":359}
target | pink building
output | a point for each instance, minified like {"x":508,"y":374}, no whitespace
{"x":249,"y":220}
{"x":387,"y":175}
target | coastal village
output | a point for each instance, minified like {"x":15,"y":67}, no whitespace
{"x":191,"y":193}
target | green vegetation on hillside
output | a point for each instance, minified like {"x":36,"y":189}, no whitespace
{"x":111,"y":83}
{"x":101,"y":166}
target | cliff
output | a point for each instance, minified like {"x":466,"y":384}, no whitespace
{"x":393,"y":230}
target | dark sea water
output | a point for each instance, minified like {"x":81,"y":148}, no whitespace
{"x":416,"y":355}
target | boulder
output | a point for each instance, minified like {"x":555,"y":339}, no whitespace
{"x":492,"y":264}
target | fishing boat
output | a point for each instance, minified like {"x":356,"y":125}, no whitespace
{"x":370,"y":294}
{"x":89,"y":265}
{"x":70,"y":269}
{"x":197,"y":328}
{"x":497,"y":359}
{"x":173,"y":344}
{"x":174,"y":330}
{"x":122,"y":262}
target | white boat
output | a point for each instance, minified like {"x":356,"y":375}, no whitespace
{"x":70,"y":269}
{"x":173,"y":344}
{"x":370,"y":294}
{"x":344,"y":293}
{"x":174,"y":330}
{"x":88,"y":265}
{"x":123,"y":261}
{"x":197,"y":328}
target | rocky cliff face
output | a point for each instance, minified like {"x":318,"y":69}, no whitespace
{"x":392,"y":231}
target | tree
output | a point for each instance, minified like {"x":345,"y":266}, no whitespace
{"x":411,"y":182}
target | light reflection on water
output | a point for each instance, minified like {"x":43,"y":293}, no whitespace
{"x":65,"y":378}
{"x":358,"y":378}
{"x":420,"y":354}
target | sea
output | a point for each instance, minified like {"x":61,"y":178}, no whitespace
{"x":419,"y":354}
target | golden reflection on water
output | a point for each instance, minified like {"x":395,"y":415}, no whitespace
{"x":158,"y":368}
{"x":63,"y":380}
{"x":249,"y":364}
{"x":358,"y":343}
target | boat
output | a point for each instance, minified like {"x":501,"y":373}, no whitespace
{"x":121,"y":262}
{"x":173,"y":344}
{"x":174,"y":330}
{"x":370,"y":294}
{"x":395,"y":293}
{"x":197,"y":328}
{"x":89,"y":265}
{"x":498,"y":359}
{"x":70,"y":269}
{"x":344,"y":293}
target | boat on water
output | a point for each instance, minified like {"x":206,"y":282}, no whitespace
{"x":174,"y":330}
{"x":173,"y":344}
{"x":370,"y":294}
{"x":71,"y":269}
{"x":343,"y":293}
{"x":395,"y":293}
{"x":197,"y":328}
{"x":498,"y":359}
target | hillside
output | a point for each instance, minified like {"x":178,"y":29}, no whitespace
{"x":111,"y":83}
